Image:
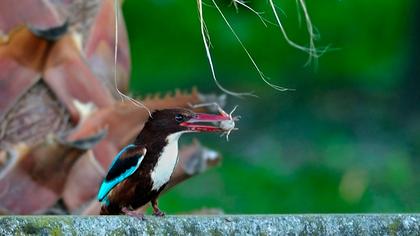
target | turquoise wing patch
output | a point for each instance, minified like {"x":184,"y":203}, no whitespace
{"x":125,"y":163}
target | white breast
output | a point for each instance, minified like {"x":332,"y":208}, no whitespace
{"x":166,"y":163}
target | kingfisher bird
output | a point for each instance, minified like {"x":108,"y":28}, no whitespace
{"x":141,"y":170}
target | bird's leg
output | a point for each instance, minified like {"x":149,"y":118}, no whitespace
{"x":133,"y":213}
{"x":156,"y":210}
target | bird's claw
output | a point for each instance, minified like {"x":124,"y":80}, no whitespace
{"x":159,"y":213}
{"x":135,"y":214}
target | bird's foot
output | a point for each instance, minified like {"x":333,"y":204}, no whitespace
{"x":135,"y":214}
{"x":158,"y":213}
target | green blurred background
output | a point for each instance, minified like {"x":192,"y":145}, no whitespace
{"x":348,"y":138}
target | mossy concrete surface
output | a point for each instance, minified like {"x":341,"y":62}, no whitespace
{"x":375,"y":224}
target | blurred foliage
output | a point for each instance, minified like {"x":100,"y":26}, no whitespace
{"x":347,"y":140}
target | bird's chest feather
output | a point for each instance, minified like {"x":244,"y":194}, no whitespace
{"x":166,"y":162}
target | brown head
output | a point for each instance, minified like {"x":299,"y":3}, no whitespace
{"x":169,"y":121}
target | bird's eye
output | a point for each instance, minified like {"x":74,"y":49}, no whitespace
{"x":179,"y":117}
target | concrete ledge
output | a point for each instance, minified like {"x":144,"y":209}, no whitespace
{"x":381,"y":224}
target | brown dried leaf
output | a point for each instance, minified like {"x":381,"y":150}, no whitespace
{"x":35,"y":115}
{"x":21,"y":62}
{"x":99,"y":48}
{"x":39,"y":14}
{"x":75,"y":192}
{"x":71,"y":79}
{"x":3,"y":159}
{"x":34,"y":178}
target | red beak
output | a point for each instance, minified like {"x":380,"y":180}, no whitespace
{"x":192,"y":125}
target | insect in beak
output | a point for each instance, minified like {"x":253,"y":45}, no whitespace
{"x":196,"y":123}
{"x":226,"y":122}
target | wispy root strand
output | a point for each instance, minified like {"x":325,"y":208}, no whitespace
{"x":311,"y":49}
{"x":122,"y":95}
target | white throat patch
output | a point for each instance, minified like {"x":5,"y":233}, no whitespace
{"x":167,"y":161}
